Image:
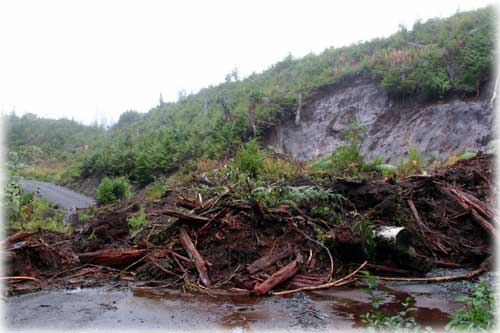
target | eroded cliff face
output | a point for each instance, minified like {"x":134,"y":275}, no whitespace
{"x":440,"y":129}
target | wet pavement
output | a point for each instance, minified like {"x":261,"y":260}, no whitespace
{"x":62,"y":196}
{"x":142,"y":308}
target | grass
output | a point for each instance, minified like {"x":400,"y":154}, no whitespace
{"x":36,"y":213}
{"x":137,"y":221}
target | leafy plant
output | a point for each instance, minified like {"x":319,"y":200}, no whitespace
{"x":478,"y":314}
{"x":87,"y":214}
{"x":365,"y":229}
{"x":346,"y":160}
{"x":376,"y":320}
{"x":12,"y":200}
{"x":414,"y":164}
{"x":137,"y":221}
{"x":111,"y":190}
{"x":249,"y":159}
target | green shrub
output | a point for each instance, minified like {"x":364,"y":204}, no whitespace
{"x":479,"y":311}
{"x":376,"y":320}
{"x":387,"y":169}
{"x":249,"y":159}
{"x":137,"y":221}
{"x":297,"y":196}
{"x":11,"y":200}
{"x":414,"y":164}
{"x":347,"y":160}
{"x":111,"y":190}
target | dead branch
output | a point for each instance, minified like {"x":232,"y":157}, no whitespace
{"x":17,"y":237}
{"x":337,"y":283}
{"x":269,"y":259}
{"x":110,"y":257}
{"x":184,"y":217}
{"x":277,"y":278}
{"x":482,"y":268}
{"x":195,"y":256}
{"x":21,"y":278}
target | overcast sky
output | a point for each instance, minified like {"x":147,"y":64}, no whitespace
{"x":75,"y":59}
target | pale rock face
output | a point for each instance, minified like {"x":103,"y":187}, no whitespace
{"x":438,"y":129}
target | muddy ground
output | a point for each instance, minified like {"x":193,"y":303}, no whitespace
{"x":204,"y":237}
{"x":135,"y":308}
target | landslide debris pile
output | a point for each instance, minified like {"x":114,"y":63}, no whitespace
{"x":223,"y":239}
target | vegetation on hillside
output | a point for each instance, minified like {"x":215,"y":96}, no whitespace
{"x":432,"y":61}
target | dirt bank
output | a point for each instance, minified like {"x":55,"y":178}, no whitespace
{"x":392,"y":129}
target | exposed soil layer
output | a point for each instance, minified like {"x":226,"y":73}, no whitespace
{"x":392,"y":128}
{"x":232,"y":241}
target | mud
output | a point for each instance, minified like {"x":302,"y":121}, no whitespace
{"x":141,"y":308}
{"x":232,"y":233}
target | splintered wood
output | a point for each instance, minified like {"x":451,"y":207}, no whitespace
{"x":195,"y":256}
{"x":111,"y":257}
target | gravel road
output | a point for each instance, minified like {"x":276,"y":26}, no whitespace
{"x":59,"y":195}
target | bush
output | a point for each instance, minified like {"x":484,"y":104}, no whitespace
{"x":111,"y":190}
{"x":138,"y":221}
{"x":413,"y":165}
{"x":11,"y":200}
{"x":347,"y":160}
{"x":478,"y":314}
{"x":249,"y":159}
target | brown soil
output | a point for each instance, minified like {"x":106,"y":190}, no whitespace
{"x":231,"y":233}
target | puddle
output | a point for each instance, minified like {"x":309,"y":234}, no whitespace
{"x":333,"y":309}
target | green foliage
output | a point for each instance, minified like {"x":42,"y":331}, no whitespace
{"x":414,"y":164}
{"x":11,"y":200}
{"x":465,"y":155}
{"x":87,"y":214}
{"x":365,"y":229}
{"x":249,"y":159}
{"x":376,"y":320}
{"x":155,"y":190}
{"x":387,"y":169}
{"x":298,"y":196}
{"x":137,"y":221}
{"x":347,"y":160}
{"x":478,"y":315}
{"x":35,"y":213}
{"x":433,"y":60}
{"x":111,"y":190}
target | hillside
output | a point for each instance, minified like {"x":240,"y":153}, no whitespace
{"x":361,"y":177}
{"x":436,"y":130}
{"x":437,"y":60}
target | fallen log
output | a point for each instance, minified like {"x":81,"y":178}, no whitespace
{"x":277,"y":278}
{"x":307,"y":280}
{"x":336,"y":283}
{"x":416,"y":215}
{"x":269,"y":259}
{"x":17,"y":237}
{"x":397,"y":238}
{"x":383,"y":268}
{"x":487,"y":226}
{"x":484,"y":224}
{"x":195,"y":256}
{"x":473,"y":202}
{"x":482,"y":268}
{"x":110,"y":257}
{"x":20,"y":278}
{"x":184,"y":217}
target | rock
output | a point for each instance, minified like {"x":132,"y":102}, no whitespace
{"x":440,"y":129}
